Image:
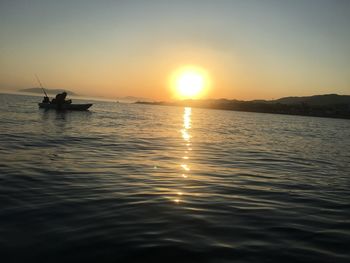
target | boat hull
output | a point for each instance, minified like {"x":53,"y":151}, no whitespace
{"x":80,"y":107}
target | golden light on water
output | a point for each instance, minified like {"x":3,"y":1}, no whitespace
{"x":187,"y":118}
{"x":185,"y":167}
{"x":190,"y":82}
{"x":185,"y":132}
{"x":185,"y":135}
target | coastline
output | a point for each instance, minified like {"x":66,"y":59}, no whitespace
{"x":339,"y":111}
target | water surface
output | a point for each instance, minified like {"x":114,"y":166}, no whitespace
{"x":141,"y":183}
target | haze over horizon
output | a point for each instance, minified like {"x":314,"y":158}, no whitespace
{"x":247,"y":49}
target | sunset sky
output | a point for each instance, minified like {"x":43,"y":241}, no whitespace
{"x":248,"y":49}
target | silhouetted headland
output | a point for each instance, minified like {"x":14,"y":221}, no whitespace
{"x":49,"y":91}
{"x":328,"y":105}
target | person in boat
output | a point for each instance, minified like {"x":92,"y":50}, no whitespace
{"x":46,"y":99}
{"x":60,"y":99}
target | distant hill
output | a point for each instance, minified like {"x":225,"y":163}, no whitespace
{"x":134,"y":99}
{"x":317,"y":100}
{"x":48,"y":91}
{"x":329,"y":105}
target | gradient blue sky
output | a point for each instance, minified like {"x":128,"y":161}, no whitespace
{"x":251,"y":49}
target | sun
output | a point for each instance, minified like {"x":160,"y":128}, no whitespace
{"x":189,"y":82}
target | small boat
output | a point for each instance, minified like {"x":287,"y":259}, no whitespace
{"x":64,"y":106}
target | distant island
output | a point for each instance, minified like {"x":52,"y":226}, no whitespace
{"x":328,"y":105}
{"x":48,"y":91}
{"x":133,"y":99}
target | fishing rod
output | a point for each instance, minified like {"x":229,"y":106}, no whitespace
{"x":41,"y":86}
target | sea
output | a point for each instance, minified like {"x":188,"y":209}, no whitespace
{"x":126,"y":182}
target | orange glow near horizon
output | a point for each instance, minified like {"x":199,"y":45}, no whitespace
{"x":189,"y":82}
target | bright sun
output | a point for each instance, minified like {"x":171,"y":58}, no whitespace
{"x":190,"y":82}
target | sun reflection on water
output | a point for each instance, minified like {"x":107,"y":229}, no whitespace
{"x":185,"y":132}
{"x":187,"y":118}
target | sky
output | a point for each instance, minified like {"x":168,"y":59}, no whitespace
{"x":249,"y":49}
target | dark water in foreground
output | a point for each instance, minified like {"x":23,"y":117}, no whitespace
{"x":138,"y":183}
